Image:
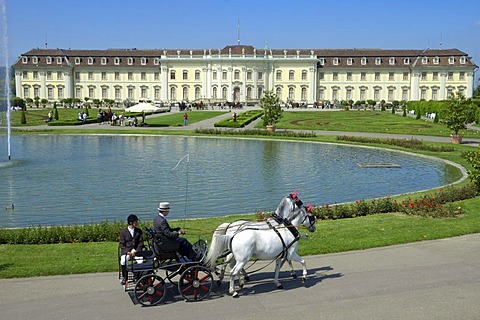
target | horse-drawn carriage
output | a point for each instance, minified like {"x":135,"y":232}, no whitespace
{"x":193,"y":280}
{"x":236,"y":243}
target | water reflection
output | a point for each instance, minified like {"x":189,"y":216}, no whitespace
{"x":80,"y":179}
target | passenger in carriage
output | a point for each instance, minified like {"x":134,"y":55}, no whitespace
{"x":162,"y":228}
{"x":131,"y":242}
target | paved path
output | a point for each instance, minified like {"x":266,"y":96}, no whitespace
{"x":426,"y":280}
{"x":209,"y":124}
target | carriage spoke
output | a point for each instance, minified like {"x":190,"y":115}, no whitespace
{"x":150,"y":290}
{"x":195,"y":283}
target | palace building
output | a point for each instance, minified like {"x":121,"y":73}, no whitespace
{"x":241,"y":73}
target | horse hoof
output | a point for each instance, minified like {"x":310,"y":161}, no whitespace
{"x":294,"y":275}
{"x":304,"y":279}
{"x":279,"y":286}
{"x":235,"y":295}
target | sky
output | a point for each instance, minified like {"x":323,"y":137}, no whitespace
{"x":277,"y":24}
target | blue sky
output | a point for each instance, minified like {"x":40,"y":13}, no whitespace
{"x":199,"y":24}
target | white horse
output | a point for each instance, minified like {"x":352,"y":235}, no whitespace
{"x":286,"y":206}
{"x":266,"y":241}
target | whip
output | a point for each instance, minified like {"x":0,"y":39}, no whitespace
{"x":187,"y":157}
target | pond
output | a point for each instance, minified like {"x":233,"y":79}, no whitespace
{"x":75,"y":179}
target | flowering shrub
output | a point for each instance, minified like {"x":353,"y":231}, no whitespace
{"x":404,"y":143}
{"x":431,"y":205}
{"x":261,"y":216}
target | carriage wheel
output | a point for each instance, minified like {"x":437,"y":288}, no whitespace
{"x":150,"y":290}
{"x":195,"y":283}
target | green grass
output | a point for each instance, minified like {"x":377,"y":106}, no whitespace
{"x":331,"y":236}
{"x":364,"y":121}
{"x":176,"y":119}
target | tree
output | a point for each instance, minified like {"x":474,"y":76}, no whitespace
{"x":36,"y":101}
{"x":272,"y":111}
{"x":23,"y":119}
{"x":44,"y":102}
{"x":476,"y":92}
{"x":459,"y":112}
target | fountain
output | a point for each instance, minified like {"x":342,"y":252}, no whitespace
{"x":7,"y":76}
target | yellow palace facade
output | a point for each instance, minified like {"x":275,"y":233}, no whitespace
{"x":241,"y":73}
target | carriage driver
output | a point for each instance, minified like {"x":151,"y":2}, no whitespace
{"x":130,"y":241}
{"x":162,"y":228}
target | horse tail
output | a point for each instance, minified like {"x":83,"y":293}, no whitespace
{"x":218,"y":245}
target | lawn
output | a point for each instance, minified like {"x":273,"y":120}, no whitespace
{"x":331,"y":236}
{"x":364,"y":121}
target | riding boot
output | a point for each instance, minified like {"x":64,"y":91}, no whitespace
{"x":124,"y":275}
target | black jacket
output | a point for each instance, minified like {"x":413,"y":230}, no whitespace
{"x":127,"y":242}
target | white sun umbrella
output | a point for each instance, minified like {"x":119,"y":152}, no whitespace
{"x":143,"y":106}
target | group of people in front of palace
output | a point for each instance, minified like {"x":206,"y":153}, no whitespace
{"x":132,"y":244}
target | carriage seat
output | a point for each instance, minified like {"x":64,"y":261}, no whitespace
{"x":163,"y":248}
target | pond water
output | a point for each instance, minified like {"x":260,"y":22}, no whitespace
{"x":70,"y":179}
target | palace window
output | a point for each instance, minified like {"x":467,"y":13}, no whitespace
{"x":24,"y":59}
{"x":260,"y":76}
{"x":451,"y":60}
{"x":104,"y":93}
{"x":278,"y":92}
{"x":26,"y":92}
{"x":291,"y":75}
{"x":130,"y":61}
{"x":91,"y":93}
{"x":197,"y":75}
{"x":214,"y":93}
{"x":156,"y":93}
{"x":173,"y":93}
{"x":197,"y":93}
{"x":304,"y":94}
{"x":362,"y":93}
{"x":50,"y":93}
{"x":25,"y":75}
{"x":35,"y":75}
{"x":423,"y":94}
{"x":390,"y":94}
{"x":143,"y":61}
{"x":224,"y":75}
{"x":304,"y":75}
{"x":363,"y":61}
{"x":130,"y":76}
{"x":78,"y":92}
{"x":321,"y":76}
{"x":291,"y":94}
{"x":335,"y":61}
{"x":461,"y":76}
{"x":118,"y":94}
{"x":35,"y":60}
{"x":249,"y":93}
{"x":321,"y":93}
{"x":59,"y":60}
{"x":278,"y":75}
{"x":104,"y":76}
{"x":77,"y":60}
{"x":49,"y":75}
{"x":405,"y":76}
{"x":450,"y":76}
{"x":424,"y":60}
{"x":131,"y":93}
{"x":378,"y":61}
{"x":406,"y":61}
{"x":104,"y":61}
{"x":348,"y":96}
{"x":236,"y":75}
{"x":90,"y":60}
{"x":156,"y":76}
{"x":404,"y":94}
{"x":143,"y":93}
{"x":117,"y":75}
{"x":434,"y":93}
{"x":334,"y":93}
{"x":435,"y":76}
{"x":391,"y":76}
{"x":117,"y":61}
{"x":156,"y":61}
{"x":377,"y":76}
{"x":224,"y":93}
{"x":48,"y":60}
{"x":349,"y":61}
{"x":214,"y":75}
{"x":143,"y":76}
{"x":424,"y":76}
{"x":249,"y":75}
{"x":463,"y":60}
{"x":322,"y":61}
{"x":77,"y":75}
{"x":185,"y":75}
{"x":90,"y":75}
{"x":185,"y":93}
{"x":335,"y":76}
{"x":436,"y":60}
{"x":391,"y":61}
{"x":349,"y":76}
{"x":363,"y":76}
{"x":172,"y":75}
{"x":376,"y":94}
